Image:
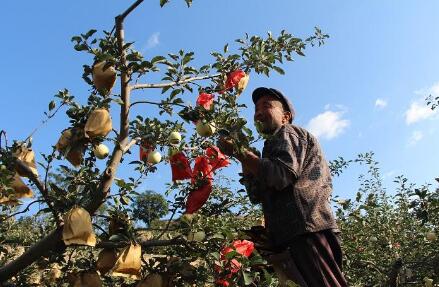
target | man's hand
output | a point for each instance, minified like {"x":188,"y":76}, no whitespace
{"x":226,"y":145}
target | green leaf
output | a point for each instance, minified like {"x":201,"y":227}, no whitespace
{"x":90,"y":33}
{"x":165,"y":89}
{"x":76,"y":39}
{"x":226,"y":48}
{"x":51,"y":105}
{"x":158,"y":59}
{"x":300,"y":53}
{"x":163,"y":2}
{"x":279,"y":70}
{"x":248,"y":278}
{"x":187,"y":58}
{"x":174,"y":93}
{"x":124,"y":200}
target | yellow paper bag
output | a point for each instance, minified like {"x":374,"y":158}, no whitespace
{"x":98,"y":124}
{"x":103,"y":80}
{"x":72,"y":145}
{"x":129,"y":262}
{"x":21,"y":190}
{"x":27,"y":156}
{"x":77,"y":228}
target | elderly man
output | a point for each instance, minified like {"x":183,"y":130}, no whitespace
{"x":292,"y":181}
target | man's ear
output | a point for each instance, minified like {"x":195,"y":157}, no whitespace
{"x":287,"y":116}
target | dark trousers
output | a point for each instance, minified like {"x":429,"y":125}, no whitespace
{"x":316,"y":260}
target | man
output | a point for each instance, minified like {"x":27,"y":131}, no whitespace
{"x":292,"y":181}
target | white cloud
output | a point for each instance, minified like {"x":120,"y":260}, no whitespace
{"x":380,"y":103}
{"x":415,"y":137}
{"x":418,"y":111}
{"x":153,"y":41}
{"x":328,"y":124}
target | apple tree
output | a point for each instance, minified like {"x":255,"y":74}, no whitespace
{"x":84,"y":233}
{"x":389,"y":237}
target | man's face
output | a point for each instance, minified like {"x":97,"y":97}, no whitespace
{"x":270,"y":113}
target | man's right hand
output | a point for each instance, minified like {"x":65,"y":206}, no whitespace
{"x":226,"y":145}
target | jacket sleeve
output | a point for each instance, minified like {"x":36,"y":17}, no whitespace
{"x":252,"y":186}
{"x":282,"y":164}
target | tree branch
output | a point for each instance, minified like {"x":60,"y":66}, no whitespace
{"x":29,"y":173}
{"x":146,"y":243}
{"x":157,"y":104}
{"x":130,"y":144}
{"x":170,"y":84}
{"x":20,"y":212}
{"x":51,"y":242}
{"x":129,"y":10}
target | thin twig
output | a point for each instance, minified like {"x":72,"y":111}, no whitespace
{"x":174,"y":83}
{"x":130,"y":144}
{"x":100,"y":228}
{"x":34,"y":178}
{"x":48,"y":168}
{"x":157,"y":104}
{"x":44,"y":122}
{"x":23,"y":211}
{"x":167,"y":224}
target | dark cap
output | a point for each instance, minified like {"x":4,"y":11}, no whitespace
{"x":264,"y":91}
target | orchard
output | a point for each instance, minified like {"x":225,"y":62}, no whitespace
{"x":94,"y":228}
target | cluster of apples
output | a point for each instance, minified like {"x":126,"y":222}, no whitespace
{"x":148,"y":154}
{"x":238,"y":80}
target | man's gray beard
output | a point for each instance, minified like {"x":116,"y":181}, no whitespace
{"x":269,"y":128}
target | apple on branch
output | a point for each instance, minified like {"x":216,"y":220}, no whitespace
{"x":205,"y":129}
{"x":154,"y":157}
{"x":174,"y":138}
{"x":101,"y":151}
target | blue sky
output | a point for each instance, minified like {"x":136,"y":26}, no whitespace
{"x":362,"y":91}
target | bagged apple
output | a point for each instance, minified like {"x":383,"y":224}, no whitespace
{"x":72,"y":145}
{"x":78,"y":228}
{"x":20,"y":190}
{"x":103,"y":77}
{"x":129,"y":262}
{"x":98,"y":124}
{"x":27,"y":156}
